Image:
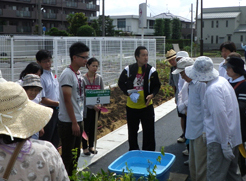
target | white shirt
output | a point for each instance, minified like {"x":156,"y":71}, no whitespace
{"x":222,"y":70}
{"x":221,"y":114}
{"x":183,"y":99}
{"x":195,"y":111}
{"x":180,"y":83}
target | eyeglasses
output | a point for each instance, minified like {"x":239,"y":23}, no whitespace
{"x":86,"y":58}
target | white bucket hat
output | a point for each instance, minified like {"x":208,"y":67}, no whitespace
{"x":202,"y":70}
{"x":182,"y":63}
{"x":20,"y":117}
{"x":181,"y":54}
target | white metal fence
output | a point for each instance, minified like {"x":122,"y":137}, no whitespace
{"x":113,"y":53}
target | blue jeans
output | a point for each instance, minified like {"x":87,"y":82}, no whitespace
{"x":69,"y":142}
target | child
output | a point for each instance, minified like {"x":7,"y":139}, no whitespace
{"x":32,"y":68}
{"x":92,"y":81}
{"x":32,"y":85}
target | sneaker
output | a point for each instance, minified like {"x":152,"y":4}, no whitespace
{"x":181,"y":139}
{"x":185,"y":152}
{"x":186,"y":162}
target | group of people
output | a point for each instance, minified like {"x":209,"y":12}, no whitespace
{"x":210,"y":103}
{"x":51,"y":112}
{"x":214,"y":104}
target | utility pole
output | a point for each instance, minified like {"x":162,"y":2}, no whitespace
{"x":39,"y":18}
{"x":201,"y":41}
{"x":103,"y":19}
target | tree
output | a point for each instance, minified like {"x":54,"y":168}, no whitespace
{"x":86,"y":30}
{"x":75,"y":21}
{"x":159,"y":27}
{"x":95,"y":25}
{"x":55,"y":32}
{"x":109,"y":28}
{"x":167,"y":28}
{"x":176,"y":29}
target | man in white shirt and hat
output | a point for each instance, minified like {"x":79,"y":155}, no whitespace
{"x":194,"y":127}
{"x":221,"y":121}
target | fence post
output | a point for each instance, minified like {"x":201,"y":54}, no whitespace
{"x":101,"y":61}
{"x":121,"y":54}
{"x":55,"y":55}
{"x":12,"y":57}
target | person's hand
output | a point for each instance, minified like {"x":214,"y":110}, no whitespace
{"x":41,"y":132}
{"x":228,"y":154}
{"x":97,"y":107}
{"x":149,"y":97}
{"x":204,"y":138}
{"x":134,"y":97}
{"x":75,"y":129}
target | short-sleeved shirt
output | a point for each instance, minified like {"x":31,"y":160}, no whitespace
{"x":69,"y":78}
{"x":38,"y":160}
{"x":138,"y":84}
{"x":50,"y":86}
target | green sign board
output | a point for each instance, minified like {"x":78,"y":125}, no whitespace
{"x":97,"y":97}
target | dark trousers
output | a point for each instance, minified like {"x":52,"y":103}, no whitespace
{"x":69,"y":142}
{"x":147,"y":118}
{"x":245,"y":55}
{"x":89,"y":127}
{"x":50,"y":130}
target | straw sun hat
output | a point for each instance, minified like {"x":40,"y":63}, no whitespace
{"x":20,"y":117}
{"x":170,"y":54}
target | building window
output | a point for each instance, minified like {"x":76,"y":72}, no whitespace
{"x":212,"y":24}
{"x":229,"y":38}
{"x":212,"y":39}
{"x":151,"y":24}
{"x":121,"y":23}
{"x":226,"y":23}
{"x":217,"y":24}
{"x":241,"y":38}
{"x":217,"y":39}
{"x":53,"y":2}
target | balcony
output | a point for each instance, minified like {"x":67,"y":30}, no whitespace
{"x":90,"y":6}
{"x":1,"y":12}
{"x":23,"y":13}
{"x":23,"y":29}
{"x":1,"y":28}
{"x":71,"y":4}
{"x":50,"y":2}
{"x":49,"y":16}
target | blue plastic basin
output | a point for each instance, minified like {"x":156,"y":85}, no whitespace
{"x":139,"y":161}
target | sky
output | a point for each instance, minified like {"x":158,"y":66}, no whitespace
{"x":155,"y":7}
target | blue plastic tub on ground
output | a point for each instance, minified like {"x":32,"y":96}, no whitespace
{"x":139,"y":162}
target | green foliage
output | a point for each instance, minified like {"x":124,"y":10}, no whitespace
{"x":167,"y":28}
{"x":187,"y":48}
{"x":95,"y":25}
{"x":75,"y":21}
{"x":168,"y":47}
{"x":55,"y":32}
{"x":86,"y":30}
{"x":176,"y":29}
{"x":182,"y":42}
{"x":159,"y":27}
{"x":109,"y":28}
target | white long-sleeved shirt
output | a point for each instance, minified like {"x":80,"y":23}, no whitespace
{"x":221,"y":114}
{"x":195,"y":111}
{"x":183,"y":99}
{"x":222,"y":71}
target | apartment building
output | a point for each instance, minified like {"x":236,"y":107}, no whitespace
{"x":22,"y":16}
